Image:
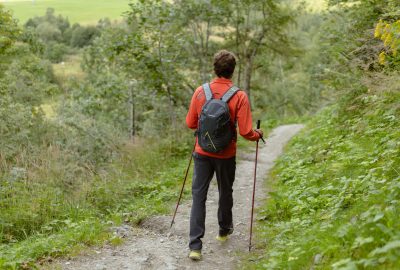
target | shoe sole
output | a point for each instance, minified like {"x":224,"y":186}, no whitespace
{"x":221,"y":239}
{"x":195,"y":257}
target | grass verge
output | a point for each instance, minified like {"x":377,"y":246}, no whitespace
{"x":49,"y":218}
{"x":336,"y":194}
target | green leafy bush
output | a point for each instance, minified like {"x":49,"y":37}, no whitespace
{"x":48,"y":32}
{"x":336,"y":198}
{"x":49,"y":27}
{"x":56,"y":52}
{"x":83,"y":36}
{"x":9,"y":30}
{"x":389,"y":33}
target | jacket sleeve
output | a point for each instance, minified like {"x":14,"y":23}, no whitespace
{"x":244,"y":119}
{"x":192,"y":116}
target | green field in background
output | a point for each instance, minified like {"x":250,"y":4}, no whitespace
{"x":77,"y":11}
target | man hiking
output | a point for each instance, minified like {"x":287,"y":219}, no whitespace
{"x":215,"y":111}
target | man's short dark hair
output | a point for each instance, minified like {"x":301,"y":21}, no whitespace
{"x":224,"y":64}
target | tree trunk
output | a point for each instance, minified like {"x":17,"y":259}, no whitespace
{"x":247,"y":75}
{"x":199,"y":48}
{"x":237,"y":40}
{"x":248,"y":72}
{"x":172,"y":114}
{"x":285,"y":97}
{"x":205,"y":51}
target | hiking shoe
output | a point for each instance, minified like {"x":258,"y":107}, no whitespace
{"x":223,"y":238}
{"x":195,"y":255}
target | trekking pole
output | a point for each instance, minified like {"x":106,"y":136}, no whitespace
{"x":254,"y":187}
{"x":183,"y":186}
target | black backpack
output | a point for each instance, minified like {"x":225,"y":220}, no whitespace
{"x":215,"y":130}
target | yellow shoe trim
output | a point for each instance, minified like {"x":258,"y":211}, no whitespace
{"x":195,"y":255}
{"x":221,"y":238}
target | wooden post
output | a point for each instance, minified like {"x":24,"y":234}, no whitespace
{"x":285,"y":95}
{"x":131,"y":102}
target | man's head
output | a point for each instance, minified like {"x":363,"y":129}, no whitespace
{"x":224,"y":64}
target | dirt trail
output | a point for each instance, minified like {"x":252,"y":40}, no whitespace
{"x":154,"y":246}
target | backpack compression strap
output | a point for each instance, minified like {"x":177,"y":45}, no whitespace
{"x":207,"y":91}
{"x":230,"y":93}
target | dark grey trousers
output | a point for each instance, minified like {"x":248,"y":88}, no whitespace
{"x":204,"y":168}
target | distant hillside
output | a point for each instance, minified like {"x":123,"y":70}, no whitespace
{"x":83,"y":12}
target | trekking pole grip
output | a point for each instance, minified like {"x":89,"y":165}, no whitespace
{"x":258,"y":127}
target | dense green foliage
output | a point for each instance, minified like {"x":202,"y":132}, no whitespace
{"x":66,"y":177}
{"x":57,"y":37}
{"x":68,"y":207}
{"x":78,"y":155}
{"x":8,"y":31}
{"x":336,"y":196}
{"x":335,"y":199}
{"x":24,"y":81}
{"x":163,"y":52}
{"x":389,"y":33}
{"x":68,"y":166}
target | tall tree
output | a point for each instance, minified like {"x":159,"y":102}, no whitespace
{"x":157,"y":25}
{"x":259,"y":26}
{"x":202,"y":21}
{"x":151,"y":50}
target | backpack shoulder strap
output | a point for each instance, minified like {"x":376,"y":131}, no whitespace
{"x":207,"y":91}
{"x":230,"y":93}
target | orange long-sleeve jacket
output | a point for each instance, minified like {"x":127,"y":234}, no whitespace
{"x":239,"y":108}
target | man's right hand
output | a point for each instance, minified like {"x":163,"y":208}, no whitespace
{"x":259,"y":131}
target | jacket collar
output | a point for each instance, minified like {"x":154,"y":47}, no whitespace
{"x":222,"y":80}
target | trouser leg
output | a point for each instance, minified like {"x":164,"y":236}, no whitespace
{"x":202,"y":175}
{"x":225,"y":172}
